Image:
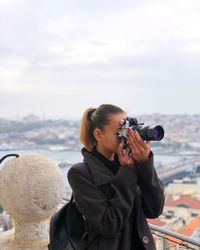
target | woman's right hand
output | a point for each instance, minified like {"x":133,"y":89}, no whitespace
{"x":123,"y":155}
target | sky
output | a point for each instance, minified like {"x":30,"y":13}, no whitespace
{"x":58,"y":58}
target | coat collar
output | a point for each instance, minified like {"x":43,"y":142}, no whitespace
{"x":100,"y":173}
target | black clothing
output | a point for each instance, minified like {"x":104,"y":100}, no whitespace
{"x":114,"y":166}
{"x":107,"y":202}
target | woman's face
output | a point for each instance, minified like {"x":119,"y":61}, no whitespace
{"x":109,"y":139}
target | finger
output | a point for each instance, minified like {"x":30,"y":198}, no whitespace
{"x":120,"y":150}
{"x":141,"y":145}
{"x":132,"y":140}
{"x":138,"y":138}
{"x":135,"y":136}
{"x":133,"y":147}
{"x":148,"y":145}
{"x":132,"y":143}
{"x":120,"y":147}
{"x":126,"y":151}
{"x":137,"y":149}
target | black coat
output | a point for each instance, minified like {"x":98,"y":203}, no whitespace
{"x":107,"y":202}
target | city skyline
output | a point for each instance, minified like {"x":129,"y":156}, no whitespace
{"x":59,"y":58}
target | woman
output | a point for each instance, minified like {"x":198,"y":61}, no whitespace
{"x":115,"y":190}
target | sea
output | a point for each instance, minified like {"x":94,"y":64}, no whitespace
{"x":72,"y":157}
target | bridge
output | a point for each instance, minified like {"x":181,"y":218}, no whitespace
{"x":178,"y":169}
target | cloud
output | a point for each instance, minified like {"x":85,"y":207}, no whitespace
{"x":53,"y":54}
{"x":6,"y":2}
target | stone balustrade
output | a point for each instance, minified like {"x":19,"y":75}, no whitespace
{"x":31,"y":188}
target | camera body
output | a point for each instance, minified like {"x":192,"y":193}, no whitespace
{"x":147,"y":133}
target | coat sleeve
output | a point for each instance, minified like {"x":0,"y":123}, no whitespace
{"x":151,"y":187}
{"x":107,"y":217}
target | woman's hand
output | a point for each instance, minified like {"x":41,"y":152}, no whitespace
{"x":140,"y":149}
{"x":124,"y":157}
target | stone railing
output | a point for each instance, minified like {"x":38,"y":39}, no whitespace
{"x":31,"y":188}
{"x":169,"y":240}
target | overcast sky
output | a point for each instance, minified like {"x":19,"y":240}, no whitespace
{"x":59,"y":57}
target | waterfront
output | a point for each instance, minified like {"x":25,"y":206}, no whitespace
{"x":76,"y":156}
{"x":72,"y":157}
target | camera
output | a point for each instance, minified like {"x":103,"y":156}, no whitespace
{"x":147,"y":133}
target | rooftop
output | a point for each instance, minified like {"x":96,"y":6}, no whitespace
{"x":184,"y":200}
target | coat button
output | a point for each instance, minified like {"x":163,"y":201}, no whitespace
{"x":145,"y":239}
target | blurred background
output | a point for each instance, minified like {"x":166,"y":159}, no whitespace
{"x":59,"y":57}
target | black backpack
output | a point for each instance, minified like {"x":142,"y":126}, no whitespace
{"x":66,"y":227}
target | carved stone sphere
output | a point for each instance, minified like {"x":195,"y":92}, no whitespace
{"x":31,"y":187}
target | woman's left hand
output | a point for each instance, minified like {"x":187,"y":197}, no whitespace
{"x":140,"y":149}
{"x":123,"y":155}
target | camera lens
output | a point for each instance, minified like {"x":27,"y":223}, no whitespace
{"x":150,"y":133}
{"x":158,"y":133}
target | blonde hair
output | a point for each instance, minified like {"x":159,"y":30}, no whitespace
{"x":86,"y":134}
{"x":95,"y":118}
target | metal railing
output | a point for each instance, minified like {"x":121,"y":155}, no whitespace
{"x":169,"y":240}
